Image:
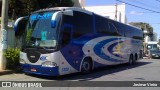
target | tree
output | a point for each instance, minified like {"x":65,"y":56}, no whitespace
{"x":143,"y":26}
{"x":28,"y":6}
{"x":68,"y":3}
{"x":25,"y":7}
{"x":15,"y":7}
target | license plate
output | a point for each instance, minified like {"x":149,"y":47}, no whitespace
{"x":33,"y":70}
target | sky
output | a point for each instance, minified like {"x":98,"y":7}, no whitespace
{"x":134,"y":14}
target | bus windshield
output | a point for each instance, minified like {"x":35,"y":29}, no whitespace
{"x":39,"y":32}
{"x":152,"y":46}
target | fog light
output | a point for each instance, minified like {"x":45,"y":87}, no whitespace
{"x":49,"y":64}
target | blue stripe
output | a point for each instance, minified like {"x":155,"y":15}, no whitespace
{"x":110,"y":48}
{"x":98,"y":50}
{"x":76,"y":46}
{"x":49,"y":71}
{"x":15,"y":27}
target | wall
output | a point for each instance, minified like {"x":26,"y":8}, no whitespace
{"x":79,"y":3}
{"x":112,"y":11}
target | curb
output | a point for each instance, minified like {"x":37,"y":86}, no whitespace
{"x":4,"y":72}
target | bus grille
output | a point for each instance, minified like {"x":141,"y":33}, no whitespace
{"x":33,"y":56}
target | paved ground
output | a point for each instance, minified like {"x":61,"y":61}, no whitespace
{"x":144,"y":70}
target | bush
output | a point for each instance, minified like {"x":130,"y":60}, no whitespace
{"x":12,"y":56}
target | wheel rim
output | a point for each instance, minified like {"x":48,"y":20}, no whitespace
{"x":86,"y":66}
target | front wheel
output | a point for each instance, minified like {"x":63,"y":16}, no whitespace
{"x":86,"y":66}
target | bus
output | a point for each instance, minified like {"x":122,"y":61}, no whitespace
{"x":65,"y":40}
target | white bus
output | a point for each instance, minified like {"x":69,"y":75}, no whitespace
{"x":64,"y":40}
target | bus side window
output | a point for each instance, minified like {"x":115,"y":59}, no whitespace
{"x":112,"y":29}
{"x":66,"y":36}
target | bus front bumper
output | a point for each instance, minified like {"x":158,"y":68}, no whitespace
{"x":38,"y":69}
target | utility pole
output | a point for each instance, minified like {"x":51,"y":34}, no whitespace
{"x":116,"y":12}
{"x":3,"y":34}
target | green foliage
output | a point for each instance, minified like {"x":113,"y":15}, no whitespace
{"x":19,"y":8}
{"x":68,"y":3}
{"x":15,"y":8}
{"x":28,"y":36}
{"x":12,"y":56}
{"x":143,"y":26}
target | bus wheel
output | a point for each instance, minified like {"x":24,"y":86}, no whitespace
{"x":131,"y":61}
{"x":86,"y":66}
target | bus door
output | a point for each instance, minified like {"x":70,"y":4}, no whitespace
{"x":19,"y":28}
{"x":65,"y":60}
{"x":67,"y":31}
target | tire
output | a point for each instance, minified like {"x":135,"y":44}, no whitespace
{"x":86,"y":66}
{"x":135,"y":59}
{"x":131,"y":61}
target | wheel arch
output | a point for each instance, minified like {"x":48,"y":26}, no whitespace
{"x":89,"y":58}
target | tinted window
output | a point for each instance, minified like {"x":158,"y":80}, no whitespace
{"x":101,"y":24}
{"x":82,"y":23}
{"x":128,"y":31}
{"x":112,"y":28}
{"x":137,"y":34}
{"x":120,"y":28}
{"x":105,"y":26}
{"x":66,"y":36}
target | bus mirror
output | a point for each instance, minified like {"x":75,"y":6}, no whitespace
{"x":55,"y":18}
{"x":68,"y":12}
{"x":53,"y":23}
{"x":20,"y":25}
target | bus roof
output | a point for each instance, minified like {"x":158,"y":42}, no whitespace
{"x":78,"y":9}
{"x":152,"y":42}
{"x":64,"y":9}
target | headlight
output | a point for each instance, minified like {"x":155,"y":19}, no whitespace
{"x":22,"y":61}
{"x":49,"y":64}
{"x":153,"y":54}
